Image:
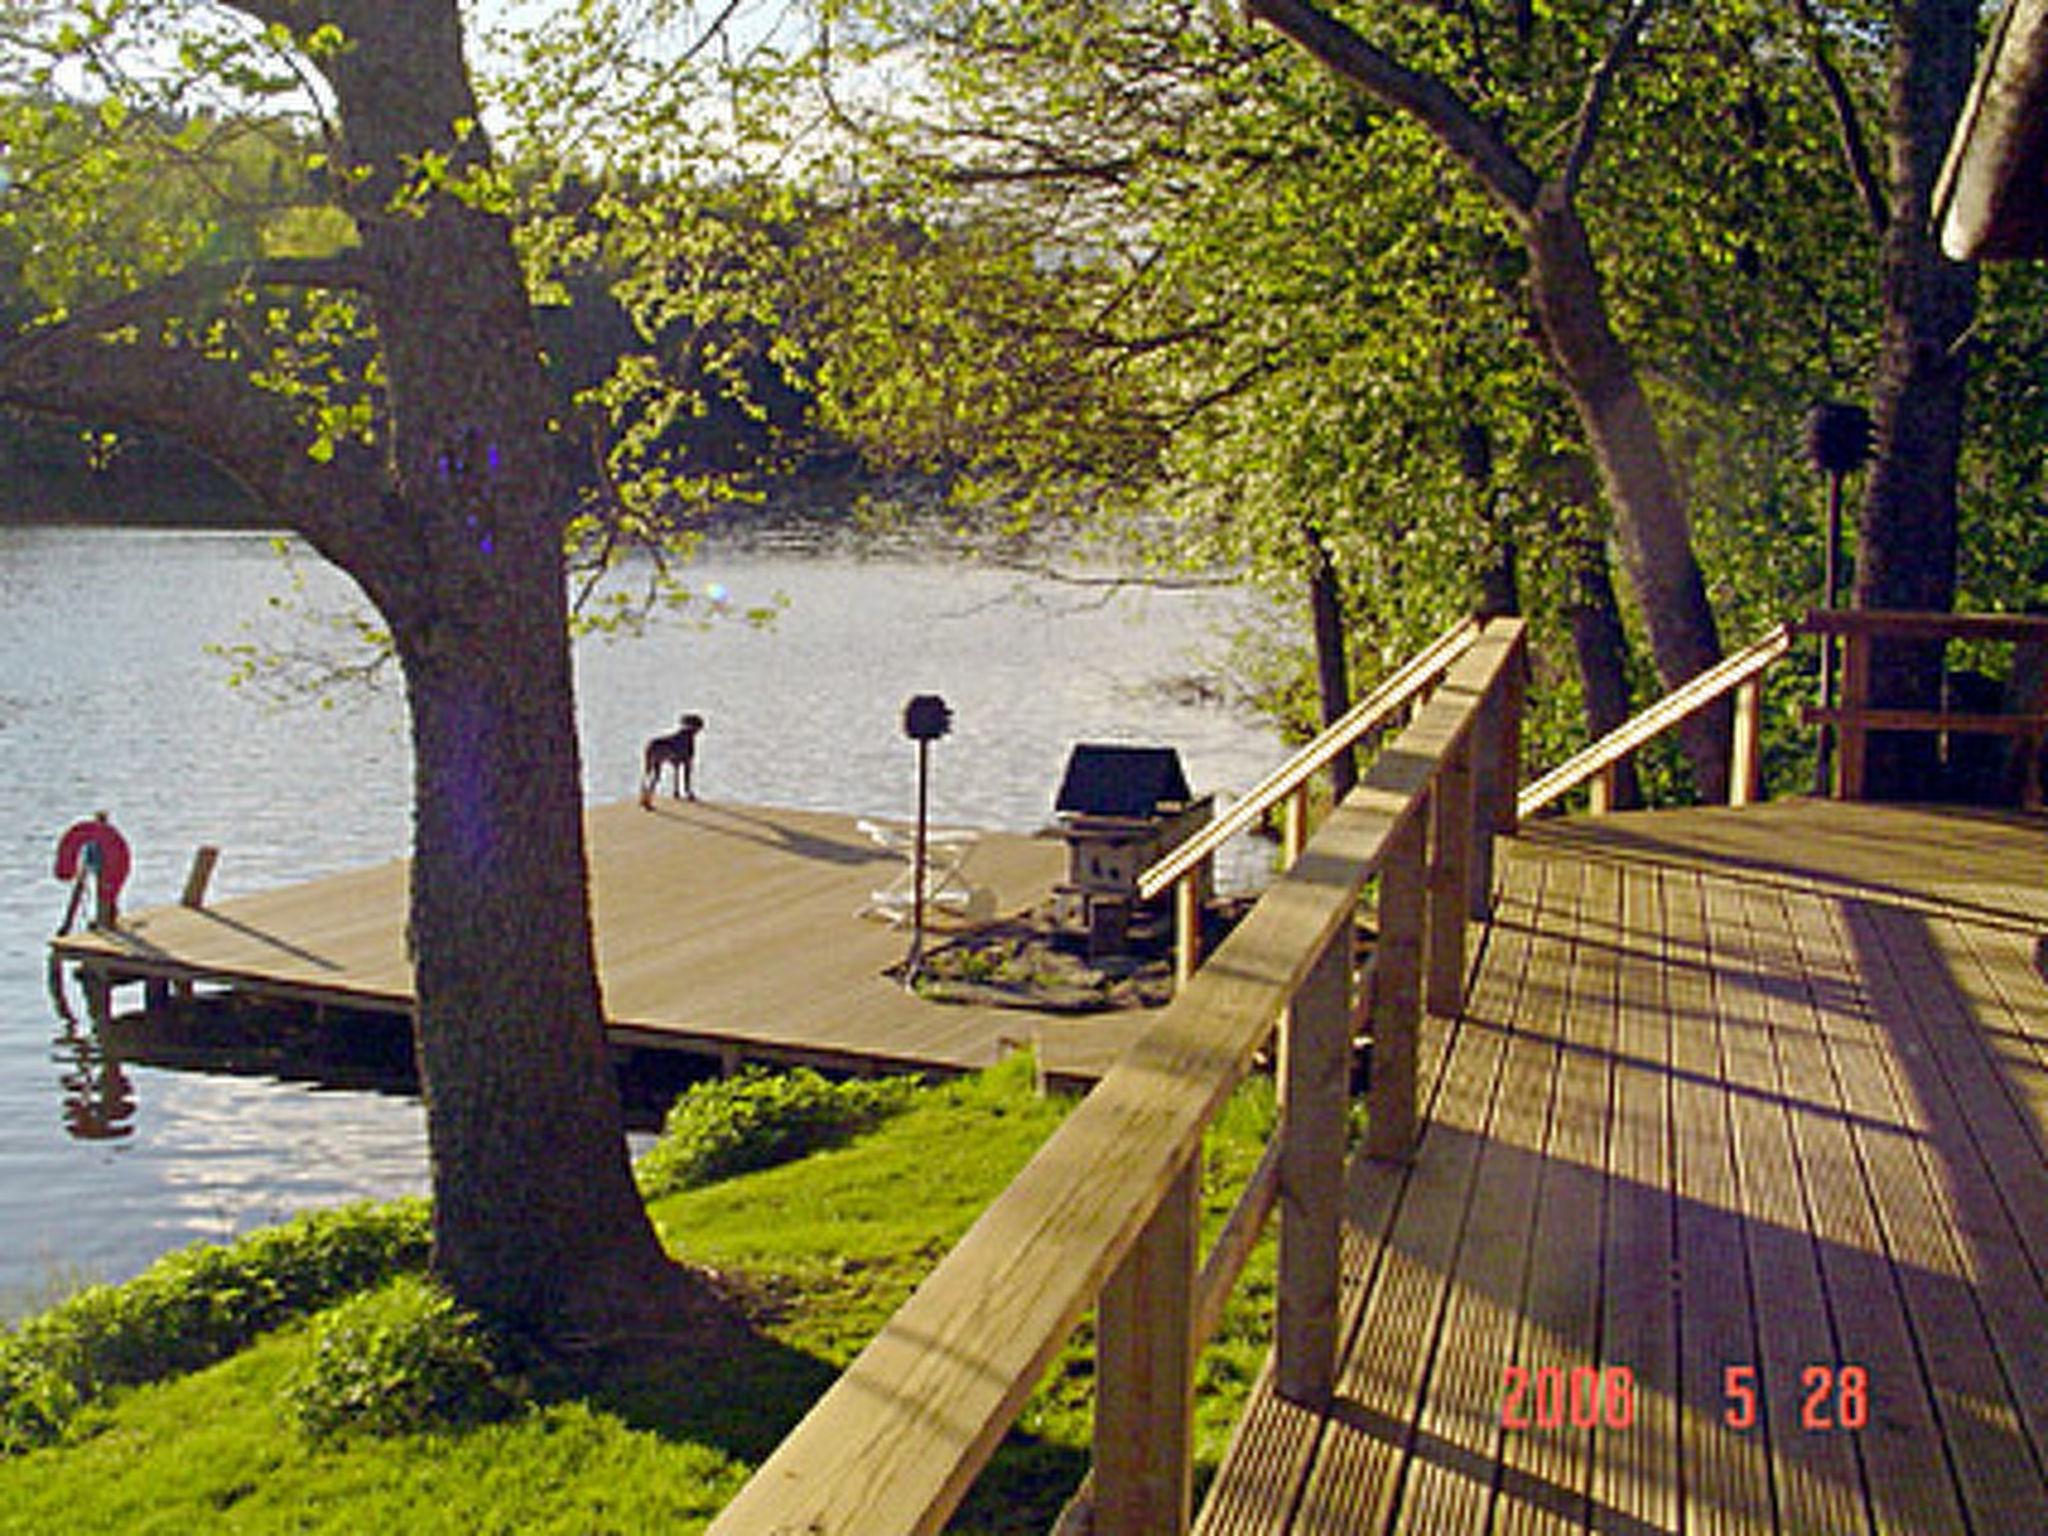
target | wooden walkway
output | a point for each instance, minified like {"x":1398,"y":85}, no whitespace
{"x":727,"y":930}
{"x":1760,"y":1145}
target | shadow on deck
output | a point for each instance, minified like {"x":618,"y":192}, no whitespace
{"x":1745,"y":1122}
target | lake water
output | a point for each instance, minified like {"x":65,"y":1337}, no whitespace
{"x":110,"y":699}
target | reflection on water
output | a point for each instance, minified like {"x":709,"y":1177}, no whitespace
{"x":99,"y":1100}
{"x":109,"y":698}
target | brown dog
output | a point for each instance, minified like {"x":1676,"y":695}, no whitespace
{"x":677,"y":753}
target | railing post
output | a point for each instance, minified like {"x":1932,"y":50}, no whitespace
{"x":1315,"y":1082}
{"x":1144,"y":1374}
{"x":1187,"y":922}
{"x":1450,"y":878}
{"x":1392,"y":1125}
{"x":1495,"y":754}
{"x":1600,"y":789}
{"x":200,"y":875}
{"x":1745,"y":748}
{"x":1851,"y":739}
{"x":1294,"y":827}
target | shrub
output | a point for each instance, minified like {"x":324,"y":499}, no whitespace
{"x":36,"y":1401}
{"x":192,"y":1308}
{"x":395,"y":1361}
{"x":758,"y":1119}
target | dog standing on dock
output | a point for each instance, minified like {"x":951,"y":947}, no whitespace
{"x":678,"y":754}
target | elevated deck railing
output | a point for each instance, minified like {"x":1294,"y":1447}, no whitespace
{"x":1189,"y":869}
{"x":1854,"y":719}
{"x":1740,"y":674}
{"x":1105,"y":1215}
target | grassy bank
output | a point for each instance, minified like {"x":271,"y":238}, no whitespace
{"x":820,"y":1250}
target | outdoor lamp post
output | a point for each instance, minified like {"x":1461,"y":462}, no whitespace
{"x":925,"y":719}
{"x":1837,"y":444}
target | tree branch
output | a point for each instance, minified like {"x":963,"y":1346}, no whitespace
{"x":110,"y":367}
{"x":1508,"y":180}
{"x":1848,"y":123}
{"x":1599,"y":87}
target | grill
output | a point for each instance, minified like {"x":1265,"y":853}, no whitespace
{"x":1120,"y":809}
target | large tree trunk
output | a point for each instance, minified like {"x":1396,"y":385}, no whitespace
{"x":1600,"y":645}
{"x":1906,"y":555}
{"x":536,"y":1217}
{"x":453,"y":526}
{"x":1497,"y":584}
{"x":1599,"y":638}
{"x":1650,"y":513}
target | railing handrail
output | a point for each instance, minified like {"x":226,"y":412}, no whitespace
{"x":1368,"y":714}
{"x":1912,"y":624}
{"x":897,"y":1440}
{"x":1724,"y":677}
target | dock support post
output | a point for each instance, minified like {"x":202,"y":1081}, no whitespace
{"x":1496,"y":778}
{"x":1144,"y":1382}
{"x":200,"y":875}
{"x":1851,"y":737}
{"x":1294,"y":828}
{"x":1600,"y":790}
{"x":1745,"y":756}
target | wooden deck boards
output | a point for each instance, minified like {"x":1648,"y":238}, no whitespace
{"x":725,"y":929}
{"x":1760,"y":1091}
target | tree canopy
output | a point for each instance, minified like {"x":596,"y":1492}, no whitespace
{"x":1146,"y":260}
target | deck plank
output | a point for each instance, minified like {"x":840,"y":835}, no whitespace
{"x":1636,"y":1462}
{"x":1929,"y":1190}
{"x":1816,"y":1482}
{"x":1905,"y":1466}
{"x":1274,"y":1443}
{"x":1355,"y":1482}
{"x":1724,"y":1474}
{"x":1546,"y":1468}
{"x":1770,"y":1090}
{"x":1450,"y":1483}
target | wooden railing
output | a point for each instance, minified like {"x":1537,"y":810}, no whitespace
{"x":1854,"y":718}
{"x":1105,"y":1215}
{"x":1741,"y":674}
{"x":1189,"y":869}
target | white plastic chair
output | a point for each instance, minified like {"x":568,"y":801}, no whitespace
{"x":946,"y":886}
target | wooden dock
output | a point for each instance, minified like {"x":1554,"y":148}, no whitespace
{"x":1744,"y":1120}
{"x":731,"y":931}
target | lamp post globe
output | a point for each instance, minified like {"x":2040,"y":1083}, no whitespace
{"x":927,"y":717}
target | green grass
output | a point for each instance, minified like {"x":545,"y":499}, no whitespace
{"x":822,"y":1250}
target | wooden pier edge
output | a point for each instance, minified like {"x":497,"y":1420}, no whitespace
{"x":771,"y":961}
